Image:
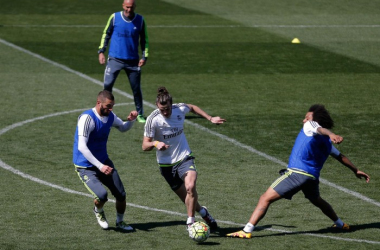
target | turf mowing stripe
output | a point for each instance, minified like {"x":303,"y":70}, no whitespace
{"x":233,"y":141}
{"x":203,"y":26}
{"x":17,"y":172}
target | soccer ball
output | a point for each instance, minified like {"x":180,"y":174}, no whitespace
{"x":199,"y":231}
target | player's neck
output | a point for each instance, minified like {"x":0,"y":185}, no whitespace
{"x":129,"y":18}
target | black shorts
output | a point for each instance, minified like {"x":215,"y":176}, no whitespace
{"x":174,"y":174}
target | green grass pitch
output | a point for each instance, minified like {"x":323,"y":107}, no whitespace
{"x":234,"y":59}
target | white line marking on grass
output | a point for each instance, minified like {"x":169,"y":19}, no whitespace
{"x":233,"y":141}
{"x":67,"y":190}
{"x":202,"y":26}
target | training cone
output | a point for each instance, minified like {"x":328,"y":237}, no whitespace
{"x":296,"y":40}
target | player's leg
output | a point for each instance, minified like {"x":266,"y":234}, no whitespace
{"x":325,"y":207}
{"x":99,"y":204}
{"x":111,"y":72}
{"x":283,"y":187}
{"x":187,"y":172}
{"x":134,"y":77}
{"x":259,"y":212}
{"x":311,"y":191}
{"x":181,"y":193}
{"x":177,"y":184}
{"x":89,"y":178}
{"x":265,"y":201}
{"x":115,"y":185}
{"x":328,"y":210}
{"x":191,"y":199}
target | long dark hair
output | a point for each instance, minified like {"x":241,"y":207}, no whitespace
{"x":322,"y":116}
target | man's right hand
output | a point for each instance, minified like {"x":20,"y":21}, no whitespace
{"x":107,"y":170}
{"x":102,"y":58}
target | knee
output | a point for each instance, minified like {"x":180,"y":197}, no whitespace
{"x":102,"y":196}
{"x":190,"y":188}
{"x":108,"y":86}
{"x":121,"y":197}
{"x":269,"y":197}
{"x":264,"y":200}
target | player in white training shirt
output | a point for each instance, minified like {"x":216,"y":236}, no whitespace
{"x":164,"y":130}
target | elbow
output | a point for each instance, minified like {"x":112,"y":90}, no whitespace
{"x":81,"y":148}
{"x":144,"y":148}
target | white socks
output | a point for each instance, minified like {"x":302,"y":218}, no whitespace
{"x":98,"y":210}
{"x":248,"y":228}
{"x":190,"y":220}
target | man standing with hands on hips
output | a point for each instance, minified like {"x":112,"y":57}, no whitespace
{"x":126,"y":30}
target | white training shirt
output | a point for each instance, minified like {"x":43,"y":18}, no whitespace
{"x":310,"y":128}
{"x":171,"y":132}
{"x":86,"y":125}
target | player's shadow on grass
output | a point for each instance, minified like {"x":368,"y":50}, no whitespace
{"x":353,"y":228}
{"x":150,"y":225}
{"x":120,"y":230}
{"x":222,"y":232}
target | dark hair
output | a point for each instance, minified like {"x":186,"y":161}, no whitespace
{"x":163,"y":96}
{"x":105,"y":94}
{"x":322,"y":116}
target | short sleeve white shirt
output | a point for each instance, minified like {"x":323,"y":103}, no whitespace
{"x":171,"y":132}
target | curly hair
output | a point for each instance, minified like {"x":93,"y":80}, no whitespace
{"x":322,"y":116}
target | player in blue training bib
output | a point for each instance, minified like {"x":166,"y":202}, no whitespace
{"x":309,"y":153}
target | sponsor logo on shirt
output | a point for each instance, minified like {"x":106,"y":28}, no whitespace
{"x":174,"y":132}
